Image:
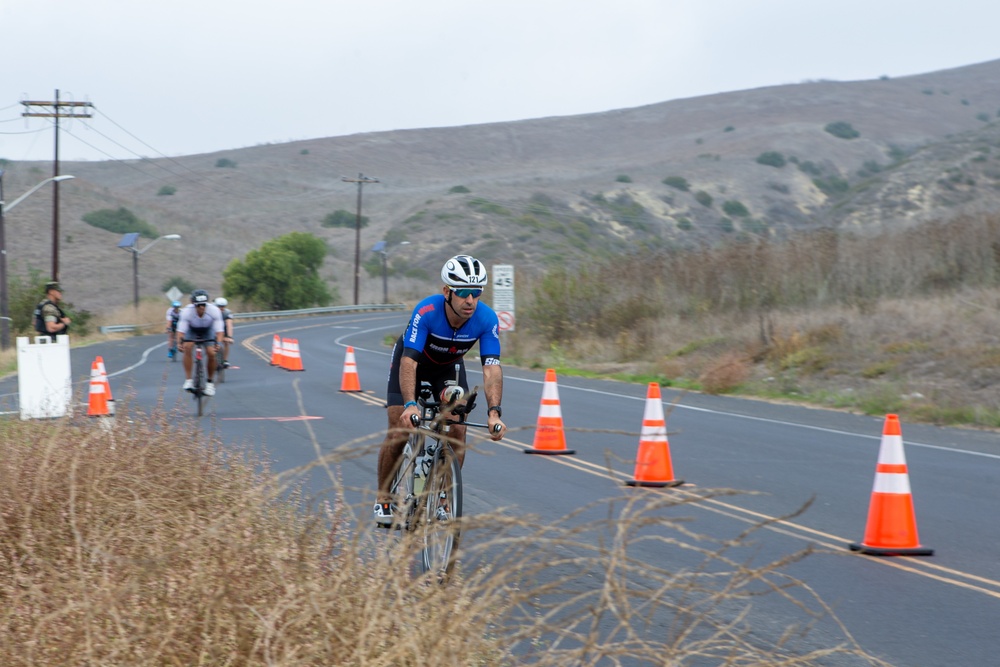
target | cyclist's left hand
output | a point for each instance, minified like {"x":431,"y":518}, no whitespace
{"x":494,"y":421}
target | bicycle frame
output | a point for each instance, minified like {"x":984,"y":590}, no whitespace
{"x":199,"y":374}
{"x":427,"y":487}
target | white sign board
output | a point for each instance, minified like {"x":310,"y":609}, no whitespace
{"x":174,"y":294}
{"x":43,"y":377}
{"x":503,"y":295}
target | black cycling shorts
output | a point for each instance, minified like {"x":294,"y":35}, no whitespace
{"x":436,"y":374}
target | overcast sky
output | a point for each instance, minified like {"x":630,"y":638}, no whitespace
{"x":195,"y":76}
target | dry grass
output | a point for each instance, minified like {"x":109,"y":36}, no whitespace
{"x":145,"y":543}
{"x":904,"y":322}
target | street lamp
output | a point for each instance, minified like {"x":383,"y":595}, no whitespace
{"x":4,"y":305}
{"x":382,"y":248}
{"x":130,"y":242}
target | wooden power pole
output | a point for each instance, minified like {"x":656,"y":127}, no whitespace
{"x":56,"y":110}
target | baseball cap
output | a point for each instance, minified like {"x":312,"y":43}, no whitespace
{"x":52,"y":285}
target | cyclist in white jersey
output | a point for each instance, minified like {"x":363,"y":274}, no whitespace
{"x":200,"y":321}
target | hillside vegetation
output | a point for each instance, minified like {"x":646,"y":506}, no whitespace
{"x":825,"y":241}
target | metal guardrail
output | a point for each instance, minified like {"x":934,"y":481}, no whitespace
{"x":269,"y":314}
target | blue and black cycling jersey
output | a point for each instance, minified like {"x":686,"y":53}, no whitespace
{"x":430,"y":338}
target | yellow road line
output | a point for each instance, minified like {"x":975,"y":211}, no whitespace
{"x":835,"y":543}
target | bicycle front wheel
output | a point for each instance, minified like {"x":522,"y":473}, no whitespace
{"x":442,"y":509}
{"x":403,"y":489}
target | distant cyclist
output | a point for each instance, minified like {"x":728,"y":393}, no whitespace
{"x":442,"y":329}
{"x":173,"y":314}
{"x":227,"y":321}
{"x":200,"y":321}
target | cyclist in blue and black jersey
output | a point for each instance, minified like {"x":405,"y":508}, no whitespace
{"x":442,"y":329}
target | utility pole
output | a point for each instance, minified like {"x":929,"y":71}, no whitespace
{"x":56,"y":110}
{"x":360,"y":180}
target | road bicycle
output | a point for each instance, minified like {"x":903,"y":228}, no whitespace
{"x":199,"y":374}
{"x":427,"y":485}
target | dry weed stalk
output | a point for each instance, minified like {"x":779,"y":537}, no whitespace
{"x":149,"y":544}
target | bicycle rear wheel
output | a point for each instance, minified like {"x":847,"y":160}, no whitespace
{"x":441,"y":509}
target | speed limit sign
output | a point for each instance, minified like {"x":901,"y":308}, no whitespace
{"x":503,"y":295}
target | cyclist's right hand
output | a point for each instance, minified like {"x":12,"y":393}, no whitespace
{"x":409,"y":414}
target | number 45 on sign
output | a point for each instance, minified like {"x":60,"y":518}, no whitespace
{"x":503,"y":295}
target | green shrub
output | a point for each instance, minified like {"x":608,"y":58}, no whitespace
{"x":342,"y":218}
{"x":121,"y":221}
{"x":304,"y":151}
{"x":811,"y":168}
{"x":684,"y":224}
{"x":225,"y":163}
{"x":842,"y":130}
{"x":703,"y":198}
{"x":831,"y":186}
{"x":678,"y":182}
{"x":459,"y":190}
{"x":771,"y":159}
{"x":167,"y":190}
{"x":985,"y":117}
{"x":623,"y":178}
{"x":486,"y":206}
{"x":735,"y":208}
{"x":183,"y":284}
{"x":729,"y":128}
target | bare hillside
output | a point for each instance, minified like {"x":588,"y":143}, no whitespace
{"x":684,"y":172}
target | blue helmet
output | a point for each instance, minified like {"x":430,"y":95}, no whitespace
{"x":176,"y":304}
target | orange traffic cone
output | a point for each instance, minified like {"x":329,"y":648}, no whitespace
{"x":98,"y":400}
{"x":652,"y":463}
{"x":293,"y":360}
{"x":892,"y":524}
{"x":549,"y":435}
{"x":277,"y":356}
{"x":350,"y":381}
{"x":104,"y":377}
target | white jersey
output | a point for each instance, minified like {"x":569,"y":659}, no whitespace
{"x":205,"y":326}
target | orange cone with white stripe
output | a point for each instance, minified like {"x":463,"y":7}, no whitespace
{"x":550,"y":438}
{"x":652,"y":463}
{"x":104,"y":377}
{"x":892,"y":523}
{"x":97,"y":403}
{"x":293,"y":359}
{"x":350,"y":381}
{"x":277,"y":353}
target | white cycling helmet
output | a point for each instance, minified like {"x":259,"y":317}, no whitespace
{"x":221,"y":302}
{"x":464,"y":271}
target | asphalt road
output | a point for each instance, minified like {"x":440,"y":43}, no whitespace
{"x":940,"y":610}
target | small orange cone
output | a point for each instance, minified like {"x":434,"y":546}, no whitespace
{"x":277,"y":354}
{"x":350,"y":381}
{"x":98,"y":400}
{"x":549,"y":435}
{"x":104,"y":377}
{"x":293,"y":360}
{"x":892,"y":524}
{"x":652,"y":463}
